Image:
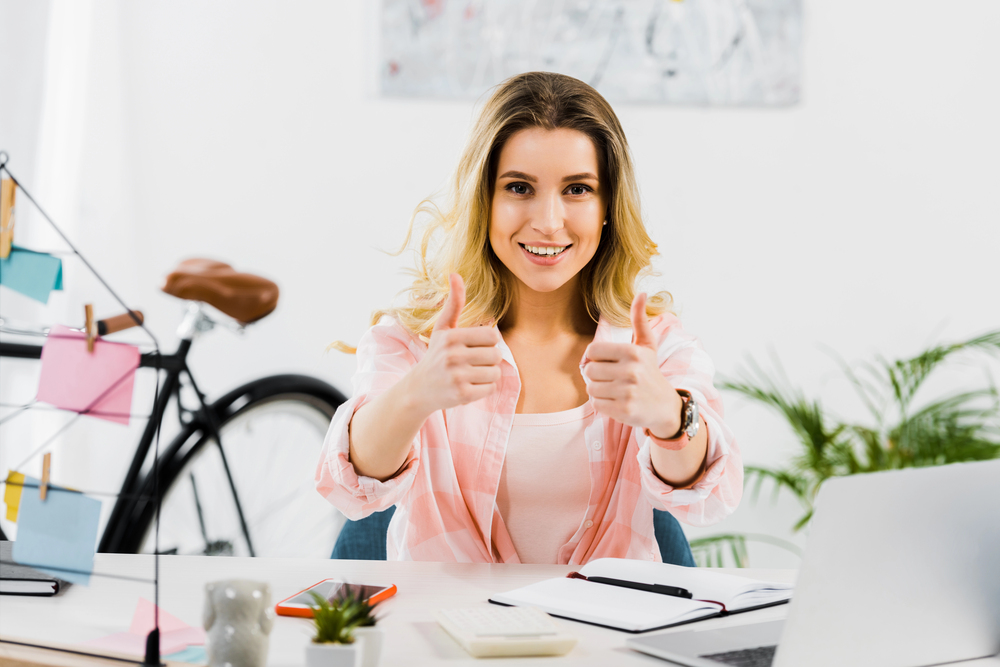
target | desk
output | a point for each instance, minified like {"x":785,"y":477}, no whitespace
{"x":412,"y":636}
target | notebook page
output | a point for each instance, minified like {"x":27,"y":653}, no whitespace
{"x":704,"y":583}
{"x":614,"y":606}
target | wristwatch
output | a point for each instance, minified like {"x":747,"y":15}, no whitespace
{"x":689,"y":423}
{"x":689,"y":415}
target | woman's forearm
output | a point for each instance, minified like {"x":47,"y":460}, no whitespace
{"x":681,"y":468}
{"x":381,"y":431}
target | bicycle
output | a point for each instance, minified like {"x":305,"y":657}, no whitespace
{"x":237,"y":479}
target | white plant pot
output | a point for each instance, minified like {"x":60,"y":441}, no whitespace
{"x":370,"y":640}
{"x":333,"y":655}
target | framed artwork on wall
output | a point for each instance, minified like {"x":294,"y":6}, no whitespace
{"x":691,"y":52}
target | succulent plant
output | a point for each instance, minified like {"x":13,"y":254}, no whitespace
{"x":335,"y":620}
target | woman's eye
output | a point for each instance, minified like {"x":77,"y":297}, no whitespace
{"x":578,"y":189}
{"x":518,"y":188}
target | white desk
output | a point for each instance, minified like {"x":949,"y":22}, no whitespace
{"x":412,"y":636}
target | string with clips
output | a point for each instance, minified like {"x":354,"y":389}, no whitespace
{"x":9,"y":185}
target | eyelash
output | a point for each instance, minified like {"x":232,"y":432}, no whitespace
{"x":510,"y":187}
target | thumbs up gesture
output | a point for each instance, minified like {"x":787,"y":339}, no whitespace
{"x":625,"y":381}
{"x":462,"y":365}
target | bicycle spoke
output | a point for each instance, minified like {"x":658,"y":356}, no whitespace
{"x":271,"y":449}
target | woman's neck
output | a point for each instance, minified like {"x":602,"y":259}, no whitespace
{"x":538,"y":317}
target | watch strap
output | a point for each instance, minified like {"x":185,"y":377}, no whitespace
{"x":689,"y":424}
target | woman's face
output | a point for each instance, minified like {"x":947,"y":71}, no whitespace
{"x":548,"y":206}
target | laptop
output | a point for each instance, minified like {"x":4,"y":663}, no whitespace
{"x":901,"y":569}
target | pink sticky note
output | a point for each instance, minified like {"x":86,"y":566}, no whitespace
{"x":142,"y":620}
{"x":170,"y":642}
{"x":175,"y":634}
{"x":98,"y":383}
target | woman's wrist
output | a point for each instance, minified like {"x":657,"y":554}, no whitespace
{"x":669,"y":426}
{"x":411,"y":401}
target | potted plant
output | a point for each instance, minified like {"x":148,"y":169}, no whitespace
{"x":338,"y":626}
{"x":907,"y":428}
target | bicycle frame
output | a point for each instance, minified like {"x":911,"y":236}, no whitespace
{"x":135,"y":501}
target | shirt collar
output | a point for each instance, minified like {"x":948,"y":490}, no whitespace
{"x":606,"y":332}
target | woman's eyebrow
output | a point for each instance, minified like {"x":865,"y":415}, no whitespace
{"x":586,"y":176}
{"x":518,"y":174}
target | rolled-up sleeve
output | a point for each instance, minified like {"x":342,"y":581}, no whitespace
{"x":717,"y":492}
{"x":385,"y":354}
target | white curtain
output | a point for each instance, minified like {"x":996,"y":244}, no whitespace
{"x":58,"y":114}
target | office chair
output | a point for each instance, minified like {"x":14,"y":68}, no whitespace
{"x":365,"y":539}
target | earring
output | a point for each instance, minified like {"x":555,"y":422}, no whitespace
{"x":605,"y":223}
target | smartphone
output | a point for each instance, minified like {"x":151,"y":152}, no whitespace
{"x":301,"y":603}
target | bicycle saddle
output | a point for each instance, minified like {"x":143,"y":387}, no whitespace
{"x":243,"y":296}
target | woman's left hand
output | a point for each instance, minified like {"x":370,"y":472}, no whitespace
{"x":625,"y":381}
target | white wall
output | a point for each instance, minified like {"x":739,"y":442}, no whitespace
{"x":865,"y":219}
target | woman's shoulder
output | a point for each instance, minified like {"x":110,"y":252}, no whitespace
{"x":389,"y":336}
{"x":668,"y":329}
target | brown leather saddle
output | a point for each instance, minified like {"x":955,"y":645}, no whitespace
{"x":243,"y":296}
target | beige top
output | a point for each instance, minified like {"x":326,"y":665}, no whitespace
{"x":545,"y":482}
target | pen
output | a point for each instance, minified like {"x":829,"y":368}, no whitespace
{"x":662,"y":589}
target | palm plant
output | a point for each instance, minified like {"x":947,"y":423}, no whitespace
{"x":715,"y":550}
{"x":960,"y":426}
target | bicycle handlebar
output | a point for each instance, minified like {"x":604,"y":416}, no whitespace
{"x":121,"y":322}
{"x":166,"y":362}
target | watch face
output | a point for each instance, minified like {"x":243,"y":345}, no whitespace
{"x":691,"y":410}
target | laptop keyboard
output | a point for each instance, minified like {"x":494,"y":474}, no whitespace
{"x":762,"y":656}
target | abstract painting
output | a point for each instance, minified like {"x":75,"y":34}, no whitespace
{"x":696,"y":52}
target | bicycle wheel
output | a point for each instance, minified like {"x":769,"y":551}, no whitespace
{"x":271,"y":443}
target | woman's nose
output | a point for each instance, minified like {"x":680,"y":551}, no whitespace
{"x":548,"y":218}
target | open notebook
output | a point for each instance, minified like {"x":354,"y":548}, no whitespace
{"x":645,"y":596}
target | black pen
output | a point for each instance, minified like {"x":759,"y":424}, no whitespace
{"x":661,"y":589}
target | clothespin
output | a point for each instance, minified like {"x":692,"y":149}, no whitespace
{"x":46,"y":466}
{"x":89,"y":326}
{"x":7,"y":191}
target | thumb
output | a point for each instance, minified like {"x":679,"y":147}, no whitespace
{"x":448,"y":319}
{"x":642,"y":333}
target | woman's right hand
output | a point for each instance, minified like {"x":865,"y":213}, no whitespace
{"x":462,"y":365}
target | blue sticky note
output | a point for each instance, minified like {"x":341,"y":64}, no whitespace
{"x":195,"y":655}
{"x":34,"y":274}
{"x":59,"y":534}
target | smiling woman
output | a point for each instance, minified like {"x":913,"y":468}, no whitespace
{"x":551,"y":217}
{"x":526,"y":405}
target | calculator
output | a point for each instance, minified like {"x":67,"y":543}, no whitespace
{"x":493,"y":631}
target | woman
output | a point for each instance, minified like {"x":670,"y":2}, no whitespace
{"x":523,"y":406}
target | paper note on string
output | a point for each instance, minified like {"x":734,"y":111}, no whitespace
{"x":97,"y":383}
{"x":175,"y":634}
{"x":195,"y":655}
{"x":12,"y":494}
{"x":34,"y":274}
{"x":57,"y":535}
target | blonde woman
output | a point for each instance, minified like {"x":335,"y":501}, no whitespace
{"x":526,"y":405}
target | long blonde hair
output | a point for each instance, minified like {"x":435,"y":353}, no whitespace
{"x":456,"y":239}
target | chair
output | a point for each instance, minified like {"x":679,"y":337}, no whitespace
{"x":365,"y":539}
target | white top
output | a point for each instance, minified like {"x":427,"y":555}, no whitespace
{"x":545,"y":483}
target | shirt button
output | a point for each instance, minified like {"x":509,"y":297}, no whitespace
{"x":589,"y":524}
{"x":597,"y":446}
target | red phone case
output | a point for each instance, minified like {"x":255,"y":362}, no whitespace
{"x":307,"y":612}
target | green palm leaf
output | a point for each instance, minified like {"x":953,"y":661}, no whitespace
{"x":957,"y":427}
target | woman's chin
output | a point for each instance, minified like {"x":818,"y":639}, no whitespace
{"x":544,"y":284}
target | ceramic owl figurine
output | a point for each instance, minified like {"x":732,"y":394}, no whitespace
{"x":238,"y":619}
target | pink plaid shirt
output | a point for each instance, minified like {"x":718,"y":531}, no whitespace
{"x":446,"y":491}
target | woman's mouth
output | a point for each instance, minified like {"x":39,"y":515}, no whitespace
{"x":544,"y":251}
{"x":544,"y":255}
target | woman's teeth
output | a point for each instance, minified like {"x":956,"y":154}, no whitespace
{"x":547,"y":251}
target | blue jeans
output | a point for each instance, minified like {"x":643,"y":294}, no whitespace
{"x":365,"y":539}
